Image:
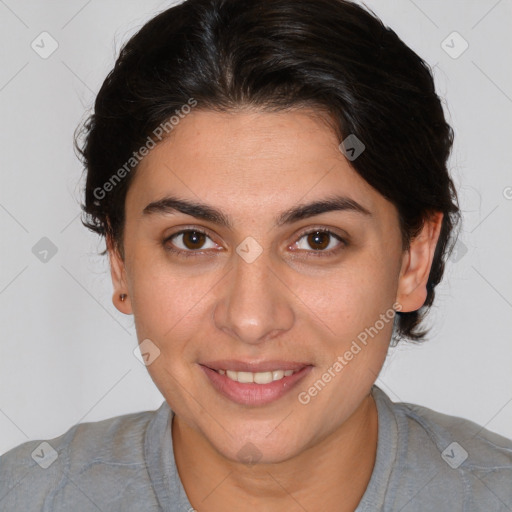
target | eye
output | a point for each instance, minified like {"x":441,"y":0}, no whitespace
{"x":194,"y":242}
{"x":188,"y":242}
{"x":320,"y":241}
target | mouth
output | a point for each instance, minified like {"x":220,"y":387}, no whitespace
{"x":254,"y":383}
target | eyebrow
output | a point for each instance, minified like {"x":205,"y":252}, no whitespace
{"x":206,"y":212}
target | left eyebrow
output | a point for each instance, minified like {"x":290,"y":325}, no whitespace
{"x":206,"y":212}
{"x":330,"y":204}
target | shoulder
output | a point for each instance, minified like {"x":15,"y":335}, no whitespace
{"x":96,"y":455}
{"x":453,"y":457}
{"x":461,"y":443}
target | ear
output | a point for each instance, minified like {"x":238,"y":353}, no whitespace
{"x":119,"y":281}
{"x":416,"y":264}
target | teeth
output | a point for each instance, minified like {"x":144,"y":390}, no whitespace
{"x":259,"y":377}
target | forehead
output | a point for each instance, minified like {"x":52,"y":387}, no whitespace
{"x":251,"y":161}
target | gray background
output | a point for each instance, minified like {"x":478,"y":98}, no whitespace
{"x":66,"y":354}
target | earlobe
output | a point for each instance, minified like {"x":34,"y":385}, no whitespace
{"x":120,"y":297}
{"x":416,"y":265}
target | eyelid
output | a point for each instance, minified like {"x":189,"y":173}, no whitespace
{"x":323,"y":228}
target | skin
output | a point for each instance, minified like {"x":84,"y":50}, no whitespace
{"x":288,"y":304}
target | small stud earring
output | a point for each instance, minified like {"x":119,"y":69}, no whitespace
{"x":123,"y":297}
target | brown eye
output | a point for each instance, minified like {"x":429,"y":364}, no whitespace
{"x":193,"y":239}
{"x":321,"y":241}
{"x":318,"y":240}
{"x":188,"y":242}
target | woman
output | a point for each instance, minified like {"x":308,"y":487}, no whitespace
{"x":271,"y":181}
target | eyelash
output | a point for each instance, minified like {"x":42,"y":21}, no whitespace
{"x":314,"y":254}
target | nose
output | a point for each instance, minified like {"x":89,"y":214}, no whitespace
{"x":256,"y":304}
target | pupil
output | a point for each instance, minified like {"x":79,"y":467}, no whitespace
{"x":316,"y":239}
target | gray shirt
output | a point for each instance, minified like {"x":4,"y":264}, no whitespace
{"x":426,"y":461}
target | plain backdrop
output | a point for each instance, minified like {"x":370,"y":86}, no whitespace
{"x":66,"y":353}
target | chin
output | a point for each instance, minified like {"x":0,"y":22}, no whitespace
{"x":254,"y":452}
{"x":258,"y":448}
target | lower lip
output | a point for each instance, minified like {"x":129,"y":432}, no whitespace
{"x":251,"y":393}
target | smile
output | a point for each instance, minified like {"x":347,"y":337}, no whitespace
{"x":255,"y":388}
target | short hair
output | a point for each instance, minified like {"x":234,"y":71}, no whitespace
{"x":274,"y":55}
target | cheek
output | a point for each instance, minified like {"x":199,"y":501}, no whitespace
{"x":166,"y":301}
{"x":353,"y":308}
{"x":353,"y":297}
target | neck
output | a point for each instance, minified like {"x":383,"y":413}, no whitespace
{"x":331,"y":475}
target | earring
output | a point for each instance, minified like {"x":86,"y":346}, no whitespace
{"x":123,"y":296}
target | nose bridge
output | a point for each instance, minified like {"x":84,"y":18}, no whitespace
{"x":255,"y":305}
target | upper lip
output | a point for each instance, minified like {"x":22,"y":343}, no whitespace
{"x":254,"y":367}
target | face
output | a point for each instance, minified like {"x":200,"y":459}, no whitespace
{"x":250,"y":279}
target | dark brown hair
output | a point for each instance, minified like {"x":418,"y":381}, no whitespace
{"x":332,"y":55}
